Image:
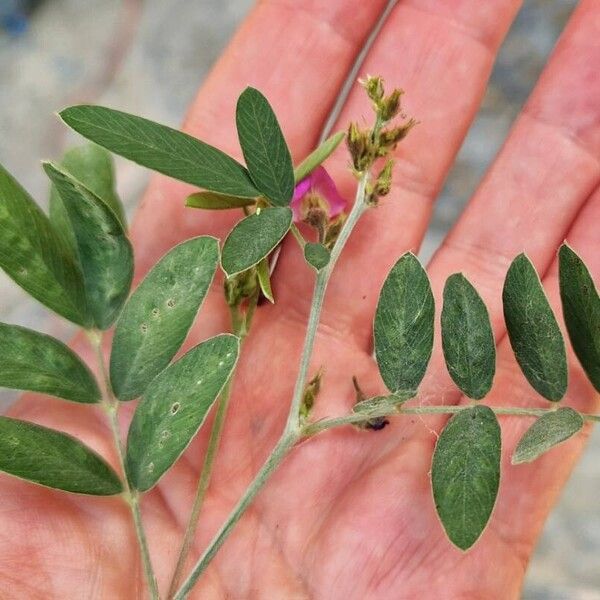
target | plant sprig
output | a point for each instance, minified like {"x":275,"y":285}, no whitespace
{"x":78,"y":262}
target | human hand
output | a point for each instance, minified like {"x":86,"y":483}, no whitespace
{"x":350,"y":514}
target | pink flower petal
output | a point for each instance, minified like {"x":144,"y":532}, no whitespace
{"x":318,"y":182}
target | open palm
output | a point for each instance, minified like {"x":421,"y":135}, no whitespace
{"x":349,"y":514}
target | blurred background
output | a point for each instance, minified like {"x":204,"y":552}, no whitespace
{"x":149,"y":57}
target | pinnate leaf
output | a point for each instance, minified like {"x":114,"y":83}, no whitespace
{"x":174,"y":407}
{"x":403,"y":328}
{"x":101,"y":245}
{"x":548,"y":431}
{"x":581,"y":310}
{"x":467,"y":338}
{"x":465,"y":474}
{"x":161,"y":148}
{"x":533,"y":331}
{"x":36,"y":257}
{"x":39,"y":363}
{"x":156,"y":319}
{"x":254,"y":237}
{"x":265,"y":151}
{"x":318,"y":156}
{"x":54,"y":459}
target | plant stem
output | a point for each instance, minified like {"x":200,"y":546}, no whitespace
{"x":111,"y":406}
{"x":354,"y":418}
{"x":203,"y":483}
{"x":240,"y":325}
{"x":292,"y":431}
{"x":299,"y":237}
{"x":277,"y":455}
{"x":316,"y":307}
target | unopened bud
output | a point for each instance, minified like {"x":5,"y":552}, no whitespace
{"x":360,"y":147}
{"x":334,"y":228}
{"x":311,"y":391}
{"x":374,"y":88}
{"x":383,"y":184}
{"x":389,"y":138}
{"x":240,"y":287}
{"x":390,"y":105}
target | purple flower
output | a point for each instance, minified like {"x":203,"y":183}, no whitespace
{"x":317,"y":189}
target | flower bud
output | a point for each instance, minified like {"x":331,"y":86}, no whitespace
{"x":360,"y":146}
{"x":389,"y":138}
{"x":311,"y":391}
{"x":390,"y":105}
{"x":374,"y":88}
{"x":240,"y":287}
{"x":384,"y":179}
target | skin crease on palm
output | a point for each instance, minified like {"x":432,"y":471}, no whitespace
{"x":349,"y":514}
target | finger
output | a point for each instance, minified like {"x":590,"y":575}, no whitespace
{"x":543,"y":175}
{"x":441,"y":53}
{"x":297,"y":54}
{"x":529,"y":491}
{"x":535,"y":188}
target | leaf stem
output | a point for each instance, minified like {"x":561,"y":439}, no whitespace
{"x":111,"y":407}
{"x":299,"y":237}
{"x":323,"y":425}
{"x":240,"y":326}
{"x":292,"y":432}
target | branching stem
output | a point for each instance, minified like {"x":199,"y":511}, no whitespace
{"x":352,"y":419}
{"x":292,"y":432}
{"x":111,"y":407}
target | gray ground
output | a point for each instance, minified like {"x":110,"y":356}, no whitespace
{"x":149,"y":58}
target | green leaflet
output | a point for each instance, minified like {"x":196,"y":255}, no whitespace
{"x":264,"y":279}
{"x":35,"y":257}
{"x":253,"y":238}
{"x":162,"y":149}
{"x":467,"y":338}
{"x":533,"y":331}
{"x":403,"y":328}
{"x":156,"y":319}
{"x":174,"y":407}
{"x":465,"y":474}
{"x":265,"y":151}
{"x":316,"y":255}
{"x":93,"y":167}
{"x":548,"y":431}
{"x":213,"y":201}
{"x":101,"y":245}
{"x":54,"y":459}
{"x":39,"y":363}
{"x":318,"y":156}
{"x":581,"y":310}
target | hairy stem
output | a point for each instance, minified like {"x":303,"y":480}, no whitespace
{"x":277,"y":455}
{"x":292,"y":431}
{"x":111,"y":406}
{"x":354,"y":418}
{"x":317,"y":303}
